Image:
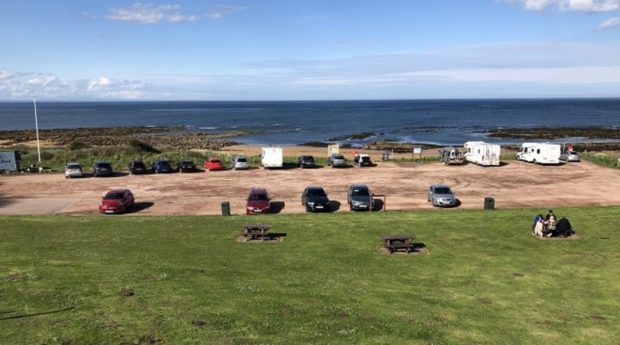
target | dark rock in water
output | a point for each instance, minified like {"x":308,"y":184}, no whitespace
{"x":555,"y":133}
{"x":314,"y":144}
{"x":355,"y":136}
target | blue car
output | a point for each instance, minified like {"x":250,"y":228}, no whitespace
{"x":161,"y":166}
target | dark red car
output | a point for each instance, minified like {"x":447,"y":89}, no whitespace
{"x":258,"y":201}
{"x":116,"y":201}
{"x":213,"y":164}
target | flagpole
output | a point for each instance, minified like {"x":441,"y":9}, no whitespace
{"x":36,"y":124}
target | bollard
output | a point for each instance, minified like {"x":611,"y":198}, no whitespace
{"x":225,"y":208}
{"x":489,"y":203}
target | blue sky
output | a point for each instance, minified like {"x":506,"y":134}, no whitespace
{"x":282,"y":50}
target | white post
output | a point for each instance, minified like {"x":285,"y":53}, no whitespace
{"x":36,"y":124}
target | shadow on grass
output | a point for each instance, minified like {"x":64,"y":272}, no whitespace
{"x":418,"y":246}
{"x":35,"y":314}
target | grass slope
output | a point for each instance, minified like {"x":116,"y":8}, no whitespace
{"x":485,"y":281}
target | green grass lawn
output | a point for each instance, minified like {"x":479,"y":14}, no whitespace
{"x":484,"y":281}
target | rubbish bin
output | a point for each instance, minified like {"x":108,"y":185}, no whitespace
{"x":225,"y":208}
{"x":489,"y":203}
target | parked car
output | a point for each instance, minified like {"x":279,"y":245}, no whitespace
{"x":306,"y":162}
{"x":362,"y":160}
{"x":570,"y":156}
{"x":116,"y":201}
{"x":161,"y":166}
{"x":102,"y":168}
{"x":258,"y":201}
{"x":213,"y":164}
{"x":315,"y":199}
{"x":337,"y":161}
{"x":441,"y":195}
{"x":73,"y":170}
{"x":359,"y":197}
{"x":137,"y":167}
{"x":240,"y":162}
{"x":186,"y":166}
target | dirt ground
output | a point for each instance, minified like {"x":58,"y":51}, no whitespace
{"x":515,"y":184}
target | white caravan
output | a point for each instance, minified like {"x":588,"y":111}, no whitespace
{"x":482,"y":153}
{"x":541,"y":153}
{"x":272,"y":157}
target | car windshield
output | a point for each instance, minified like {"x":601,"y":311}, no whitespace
{"x":316,"y":192}
{"x":443,"y":190}
{"x":572,"y":152}
{"x":241,"y":160}
{"x":360,"y":192}
{"x":103,"y":165}
{"x":187,"y":162}
{"x":258,"y":197}
{"x":138,"y":165}
{"x":74,"y":166}
{"x":338,"y":157}
{"x":114,"y":196}
{"x":215,"y":161}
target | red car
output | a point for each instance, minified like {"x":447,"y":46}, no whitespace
{"x":116,"y":201}
{"x":258,"y":201}
{"x":213,"y":164}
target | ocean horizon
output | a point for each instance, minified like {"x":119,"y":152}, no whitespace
{"x":442,"y":122}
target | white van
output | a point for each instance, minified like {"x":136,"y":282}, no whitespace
{"x":540,"y":153}
{"x":272,"y":157}
{"x":481,"y":153}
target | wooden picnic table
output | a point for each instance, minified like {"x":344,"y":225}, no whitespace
{"x":256,"y":231}
{"x":399,"y":242}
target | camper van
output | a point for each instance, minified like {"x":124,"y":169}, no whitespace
{"x":272,"y":157}
{"x":541,"y":153}
{"x":482,"y":153}
{"x":450,"y":155}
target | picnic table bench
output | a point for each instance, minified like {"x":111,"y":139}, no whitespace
{"x":256,"y":231}
{"x":399,"y":242}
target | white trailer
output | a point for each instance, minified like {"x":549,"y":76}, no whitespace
{"x":9,"y":161}
{"x":272,"y":157}
{"x":482,"y":153}
{"x":540,"y":153}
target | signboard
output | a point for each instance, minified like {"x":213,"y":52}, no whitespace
{"x":333,"y":149}
{"x":417,"y":150}
{"x":8,"y":161}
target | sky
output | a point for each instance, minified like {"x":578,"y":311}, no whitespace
{"x":308,"y":49}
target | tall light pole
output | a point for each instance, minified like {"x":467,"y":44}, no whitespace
{"x":36,"y":124}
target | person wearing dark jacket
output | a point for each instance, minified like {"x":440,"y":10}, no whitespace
{"x":563,"y":228}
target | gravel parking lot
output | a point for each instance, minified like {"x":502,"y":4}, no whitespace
{"x":515,"y":184}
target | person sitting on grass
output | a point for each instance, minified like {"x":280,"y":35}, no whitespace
{"x":551,"y":221}
{"x":563,"y":228}
{"x":540,"y":226}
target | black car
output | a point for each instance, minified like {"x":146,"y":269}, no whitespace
{"x":102,"y":168}
{"x":137,"y":167}
{"x":306,"y":162}
{"x":186,"y":166}
{"x":315,"y":199}
{"x":161,"y":166}
{"x":359,"y":197}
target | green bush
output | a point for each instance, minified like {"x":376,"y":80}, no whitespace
{"x":77,"y":145}
{"x":140,"y":146}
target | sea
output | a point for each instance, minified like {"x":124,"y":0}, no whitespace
{"x":439,"y":122}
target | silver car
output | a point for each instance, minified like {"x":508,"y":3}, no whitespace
{"x":570,"y":156}
{"x":441,"y":195}
{"x":240,"y":162}
{"x":359,"y":197}
{"x":73,"y":170}
{"x":337,"y":161}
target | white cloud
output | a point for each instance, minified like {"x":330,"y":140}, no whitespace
{"x":571,"y":5}
{"x":50,"y":86}
{"x":610,"y":23}
{"x":224,"y":10}
{"x":150,"y":14}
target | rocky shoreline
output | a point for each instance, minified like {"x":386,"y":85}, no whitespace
{"x":555,"y":133}
{"x":163,"y":137}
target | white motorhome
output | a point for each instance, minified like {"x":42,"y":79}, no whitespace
{"x":9,"y":161}
{"x":482,"y":153}
{"x":272,"y":157}
{"x":541,"y":153}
